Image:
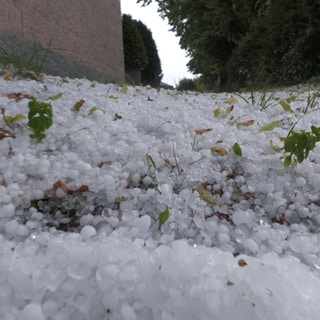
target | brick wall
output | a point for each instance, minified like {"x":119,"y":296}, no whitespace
{"x":76,"y":38}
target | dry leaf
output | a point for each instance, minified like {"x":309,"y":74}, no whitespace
{"x":221,"y":151}
{"x":78,"y":104}
{"x":167,"y":161}
{"x":202,"y":131}
{"x":242,"y":263}
{"x":100,"y":164}
{"x":282,"y":138}
{"x":8,"y":75}
{"x":6,"y":134}
{"x":207,"y":196}
{"x":59,"y":184}
{"x":231,"y":100}
{"x":18,"y":96}
{"x":83,"y":188}
{"x":245,"y":123}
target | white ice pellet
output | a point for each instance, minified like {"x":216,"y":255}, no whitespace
{"x":223,"y":238}
{"x":88,"y":232}
{"x":31,"y":311}
{"x":37,"y":194}
{"x":264,"y":187}
{"x":316,"y":181}
{"x":42,"y":166}
{"x":301,"y":181}
{"x":113,"y":221}
{"x":14,"y":190}
{"x":22,"y":230}
{"x":301,"y":244}
{"x":250,"y":245}
{"x":128,"y":312}
{"x":143,"y":223}
{"x":242,"y":217}
{"x":11,"y":227}
{"x":7,"y":211}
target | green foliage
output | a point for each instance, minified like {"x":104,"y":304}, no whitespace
{"x":152,"y":73}
{"x":164,"y":216}
{"x":117,"y":117}
{"x":26,"y":61}
{"x":40,"y":118}
{"x":236,"y":43}
{"x":237,"y":149}
{"x":56,"y":97}
{"x":270,"y":126}
{"x":135,"y":54}
{"x":298,"y":145}
{"x":186,"y":85}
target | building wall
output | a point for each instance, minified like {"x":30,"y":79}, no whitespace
{"x":78,"y":38}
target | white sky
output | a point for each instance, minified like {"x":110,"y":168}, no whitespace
{"x":173,"y":58}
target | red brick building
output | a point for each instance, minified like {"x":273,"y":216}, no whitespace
{"x":75,"y":38}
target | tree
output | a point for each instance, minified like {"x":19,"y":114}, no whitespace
{"x":152,"y":73}
{"x":235,"y":43}
{"x":135,"y":55}
{"x":142,"y":62}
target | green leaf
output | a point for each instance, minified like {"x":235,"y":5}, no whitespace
{"x":222,"y":112}
{"x":270,"y":126}
{"x":237,"y":149}
{"x":17,"y":117}
{"x":124,"y":89}
{"x":285,"y":106}
{"x":150,"y":160}
{"x":94,"y":109}
{"x":40,"y":118}
{"x":56,"y":97}
{"x":207,"y":196}
{"x":290,"y":99}
{"x":113,"y":97}
{"x":117,"y":117}
{"x":164,"y":216}
{"x":287,"y":161}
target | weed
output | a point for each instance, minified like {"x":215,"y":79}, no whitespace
{"x":264,"y":100}
{"x":164,"y":216}
{"x":299,"y":144}
{"x":40,"y":118}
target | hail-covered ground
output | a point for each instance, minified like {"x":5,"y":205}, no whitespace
{"x":146,"y":204}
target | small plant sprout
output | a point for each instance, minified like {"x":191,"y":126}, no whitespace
{"x":311,"y":101}
{"x":164,"y":216}
{"x":264,"y":100}
{"x":199,"y":132}
{"x":297,"y":145}
{"x":152,"y":167}
{"x":40,"y":118}
{"x":237,"y":149}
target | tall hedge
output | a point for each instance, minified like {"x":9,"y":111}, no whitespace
{"x":152,"y":73}
{"x":140,"y":51}
{"x":135,"y":55}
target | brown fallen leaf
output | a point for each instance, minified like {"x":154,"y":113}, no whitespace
{"x":221,"y":151}
{"x":8,"y":75}
{"x":78,"y":104}
{"x":4,"y":133}
{"x":202,"y":131}
{"x":207,"y":196}
{"x":245,"y":123}
{"x":83,"y":188}
{"x":59,"y":184}
{"x":242,"y":263}
{"x":167,"y":161}
{"x":17,"y":96}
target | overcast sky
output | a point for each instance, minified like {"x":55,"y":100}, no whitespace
{"x":173,"y":59}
